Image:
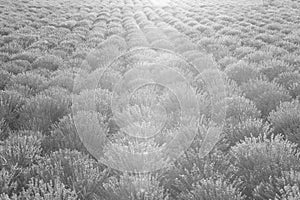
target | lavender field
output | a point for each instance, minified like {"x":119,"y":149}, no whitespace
{"x":149,"y":100}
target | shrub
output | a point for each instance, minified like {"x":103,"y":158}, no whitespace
{"x":162,"y":43}
{"x":29,"y":82}
{"x":30,"y":56}
{"x":25,"y":40}
{"x":16,"y":66}
{"x":104,"y":55}
{"x":137,"y":40}
{"x":242,"y":72}
{"x":274,"y":27}
{"x":39,"y":190}
{"x":289,"y":184}
{"x":93,"y":42}
{"x":285,"y":187}
{"x":292,"y":59}
{"x":68,"y":24}
{"x":69,"y":44}
{"x":212,"y":98}
{"x":234,"y":133}
{"x":49,"y":62}
{"x":290,"y":47}
{"x":239,"y":109}
{"x":213,"y":190}
{"x":97,"y":79}
{"x":21,"y":149}
{"x":272,"y":68}
{"x":232,"y":89}
{"x":290,"y":81}
{"x":256,"y":44}
{"x":230,"y":32}
{"x":243,"y":51}
{"x":206,"y":42}
{"x":191,"y":168}
{"x":84,"y":80}
{"x":204,"y":29}
{"x":183,"y":44}
{"x":40,"y":112}
{"x":267,"y":38}
{"x":266,"y":95}
{"x":6,"y":30}
{"x":24,"y":63}
{"x":293,"y":38}
{"x":4,"y":57}
{"x":95,"y":33}
{"x":139,"y":187}
{"x":286,"y":120}
{"x":259,"y":57}
{"x":11,"y":48}
{"x":63,"y":136}
{"x":217,"y":27}
{"x":153,"y":34}
{"x":275,"y":51}
{"x":227,"y":60}
{"x":42,"y":72}
{"x":63,"y":79}
{"x":11,"y":104}
{"x":258,"y":160}
{"x":57,"y":93}
{"x":61,"y":52}
{"x":4,"y":78}
{"x":76,"y":171}
{"x":117,"y":41}
{"x":231,"y":42}
{"x":93,"y":100}
{"x":204,"y":63}
{"x":221,"y":50}
{"x":193,"y":54}
{"x":7,"y":184}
